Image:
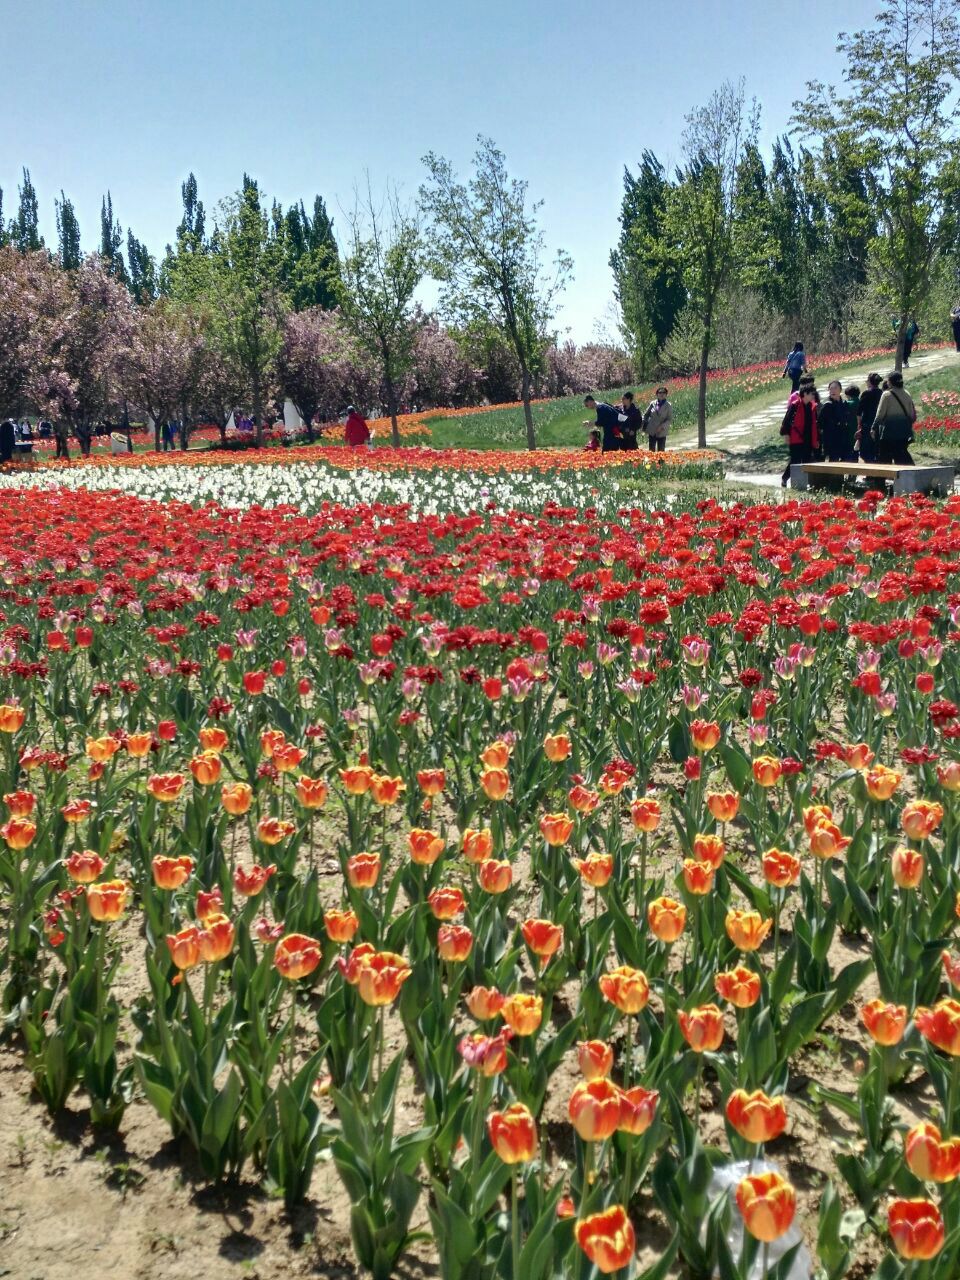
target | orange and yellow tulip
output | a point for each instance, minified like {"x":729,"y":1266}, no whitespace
{"x":768,"y":1204}
{"x":607,"y":1238}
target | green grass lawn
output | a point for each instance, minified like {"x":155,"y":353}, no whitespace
{"x":559,"y":423}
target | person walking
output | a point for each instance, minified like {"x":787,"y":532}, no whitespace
{"x":62,"y":433}
{"x":800,"y":427}
{"x":634,"y":423}
{"x":657,"y":420}
{"x":909,"y":338}
{"x":610,"y":422}
{"x":796,"y":366}
{"x":955,"y":324}
{"x":356,"y":433}
{"x":893,"y":425}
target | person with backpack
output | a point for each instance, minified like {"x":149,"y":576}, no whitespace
{"x":796,"y":366}
{"x":609,"y":420}
{"x":893,"y":424}
{"x":800,"y":427}
{"x":955,"y":325}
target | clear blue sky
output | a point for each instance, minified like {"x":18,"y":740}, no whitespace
{"x":306,"y":94}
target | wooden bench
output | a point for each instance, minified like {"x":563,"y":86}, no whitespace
{"x":937,"y":480}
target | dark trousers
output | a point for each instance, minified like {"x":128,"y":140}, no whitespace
{"x":868,"y":446}
{"x":956,"y":333}
{"x":85,"y":446}
{"x":798,"y":453}
{"x":657,"y":443}
{"x":907,"y":349}
{"x":62,"y":449}
{"x":795,"y":381}
{"x":895,"y":453}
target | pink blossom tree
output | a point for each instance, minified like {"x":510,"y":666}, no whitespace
{"x":322,"y":367}
{"x":163,"y":362}
{"x":84,"y":337}
{"x":440,"y":374}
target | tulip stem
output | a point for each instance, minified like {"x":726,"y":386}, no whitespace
{"x":778,"y":903}
{"x":628,"y":1173}
{"x":628,"y":1055}
{"x":696,"y":1105}
{"x":587,"y":1175}
{"x":950,"y":1117}
{"x":292,"y":1042}
{"x":765,"y":1260}
{"x":380,"y":1039}
{"x":515,"y":1220}
{"x":479,"y":1107}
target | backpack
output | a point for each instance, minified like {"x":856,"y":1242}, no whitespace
{"x":795,"y":362}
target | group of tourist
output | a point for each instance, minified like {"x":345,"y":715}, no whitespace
{"x":875,"y":425}
{"x":615,"y":429}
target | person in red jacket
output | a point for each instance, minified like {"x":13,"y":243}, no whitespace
{"x":355,"y":431}
{"x":800,"y":427}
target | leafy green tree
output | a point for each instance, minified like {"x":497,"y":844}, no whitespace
{"x":380,"y":273}
{"x":702,"y":211}
{"x":488,"y":257}
{"x":650,"y":295}
{"x":25,"y":227}
{"x":193,"y":224}
{"x":311,"y":260}
{"x":236,"y":284}
{"x":68,"y":234}
{"x":111,"y":238}
{"x":143,"y":270}
{"x":898,"y":120}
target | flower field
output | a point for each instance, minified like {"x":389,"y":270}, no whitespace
{"x":576,"y":887}
{"x":429,"y":481}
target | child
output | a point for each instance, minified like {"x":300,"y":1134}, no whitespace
{"x":593,"y":444}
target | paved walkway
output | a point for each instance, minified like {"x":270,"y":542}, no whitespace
{"x":741,"y":436}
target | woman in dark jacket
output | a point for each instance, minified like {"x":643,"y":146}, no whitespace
{"x":8,"y":436}
{"x":633,"y":424}
{"x":800,"y":427}
{"x":868,"y":411}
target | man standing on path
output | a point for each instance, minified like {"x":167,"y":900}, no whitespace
{"x":609,"y":422}
{"x":657,"y":420}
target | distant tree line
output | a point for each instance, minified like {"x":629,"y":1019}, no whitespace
{"x":837,"y":238}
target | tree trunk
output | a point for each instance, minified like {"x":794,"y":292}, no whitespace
{"x":184,"y":429}
{"x":527,"y":411}
{"x":392,"y":410}
{"x":702,"y":392}
{"x":157,"y":428}
{"x":258,"y":410}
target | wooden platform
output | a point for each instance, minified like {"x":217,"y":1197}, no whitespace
{"x":905,"y":479}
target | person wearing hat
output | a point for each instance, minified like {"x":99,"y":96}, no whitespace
{"x":893,"y":425}
{"x":356,"y":433}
